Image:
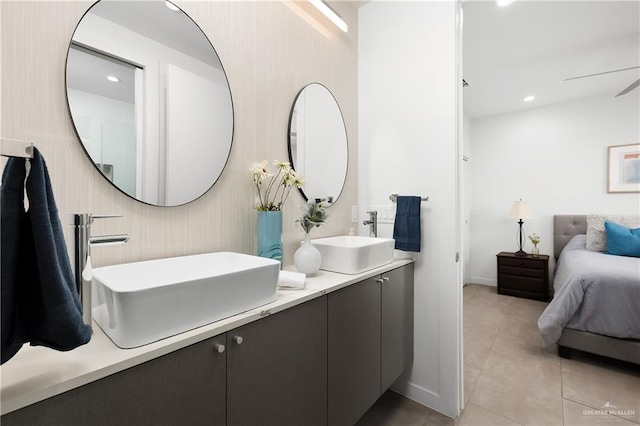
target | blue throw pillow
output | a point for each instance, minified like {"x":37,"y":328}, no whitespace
{"x":622,"y":241}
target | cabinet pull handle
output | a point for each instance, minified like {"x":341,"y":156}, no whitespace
{"x":219,"y":347}
{"x":379,"y":280}
{"x":385,"y":279}
{"x":238,"y":339}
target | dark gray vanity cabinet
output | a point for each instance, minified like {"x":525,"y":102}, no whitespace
{"x":397,"y":324}
{"x":184,"y":387}
{"x":322,"y":362}
{"x":277,"y":368}
{"x":370,"y":341}
{"x":354,"y":351}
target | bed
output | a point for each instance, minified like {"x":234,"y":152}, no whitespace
{"x":596,"y":304}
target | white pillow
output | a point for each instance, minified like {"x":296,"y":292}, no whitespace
{"x":596,"y":236}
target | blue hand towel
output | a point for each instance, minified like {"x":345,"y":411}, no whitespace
{"x":46,"y":301}
{"x":406,"y":228}
{"x":12,"y":221}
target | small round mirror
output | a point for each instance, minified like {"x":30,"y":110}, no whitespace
{"x":318,"y":143}
{"x":149,"y":100}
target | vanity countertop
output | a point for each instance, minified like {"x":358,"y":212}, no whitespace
{"x":37,"y":373}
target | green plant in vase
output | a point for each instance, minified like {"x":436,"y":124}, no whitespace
{"x":307,"y":258}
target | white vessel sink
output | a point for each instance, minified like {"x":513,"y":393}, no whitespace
{"x":142,"y":302}
{"x":351,"y":254}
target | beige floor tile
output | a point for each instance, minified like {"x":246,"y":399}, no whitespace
{"x":393,"y":409}
{"x":521,"y":388}
{"x":597,"y":384}
{"x":489,"y":295}
{"x":526,"y":309}
{"x":482,"y":316}
{"x":433,"y":418}
{"x":478,"y":416}
{"x":580,"y":415}
{"x":522,"y":337}
{"x":477,"y":345}
{"x":468,"y":291}
{"x":471,"y":376}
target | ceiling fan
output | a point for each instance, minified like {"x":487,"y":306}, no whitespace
{"x":626,"y":90}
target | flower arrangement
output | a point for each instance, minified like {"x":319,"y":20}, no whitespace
{"x":274,"y":187}
{"x":534,"y":239}
{"x":313,"y":214}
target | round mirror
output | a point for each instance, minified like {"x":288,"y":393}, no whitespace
{"x":318,"y":143}
{"x":149,"y":100}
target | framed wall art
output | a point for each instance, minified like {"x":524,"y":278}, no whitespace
{"x":624,"y":168}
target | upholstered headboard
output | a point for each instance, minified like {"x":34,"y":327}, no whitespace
{"x":566,"y":227}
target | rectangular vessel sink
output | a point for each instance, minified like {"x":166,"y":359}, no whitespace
{"x":352,"y":254}
{"x":142,"y":302}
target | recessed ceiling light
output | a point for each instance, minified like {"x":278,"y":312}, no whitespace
{"x":529,"y":98}
{"x":503,"y":2}
{"x":171,"y":6}
{"x":113,"y":78}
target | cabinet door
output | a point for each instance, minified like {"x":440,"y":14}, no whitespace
{"x":354,"y":351}
{"x":183,"y":387}
{"x":397,"y":324}
{"x":277,"y":373}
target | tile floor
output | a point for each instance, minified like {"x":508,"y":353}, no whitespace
{"x":510,"y":380}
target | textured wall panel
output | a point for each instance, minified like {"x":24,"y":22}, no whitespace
{"x":270,"y":50}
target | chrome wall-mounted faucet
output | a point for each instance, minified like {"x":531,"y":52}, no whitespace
{"x":83,"y":241}
{"x":373,"y":223}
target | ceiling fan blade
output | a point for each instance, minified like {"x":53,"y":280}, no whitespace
{"x":600,"y":73}
{"x":629,"y":88}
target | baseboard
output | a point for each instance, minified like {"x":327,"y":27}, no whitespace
{"x":420,"y":395}
{"x":484,"y":281}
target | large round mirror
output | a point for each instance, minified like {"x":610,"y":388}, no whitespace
{"x":149,"y":100}
{"x":318,"y":143}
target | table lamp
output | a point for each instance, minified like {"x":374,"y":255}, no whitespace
{"x":520,"y":211}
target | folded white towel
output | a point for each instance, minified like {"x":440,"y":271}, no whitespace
{"x":291,"y":280}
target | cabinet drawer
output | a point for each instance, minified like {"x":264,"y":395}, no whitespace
{"x":521,"y":272}
{"x":531,"y":285}
{"x":522,"y":263}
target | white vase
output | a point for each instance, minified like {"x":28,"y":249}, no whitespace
{"x":307,"y":258}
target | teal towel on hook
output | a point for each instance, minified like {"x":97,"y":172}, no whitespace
{"x":406,"y":227}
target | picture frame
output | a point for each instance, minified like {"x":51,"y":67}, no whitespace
{"x":623,"y":168}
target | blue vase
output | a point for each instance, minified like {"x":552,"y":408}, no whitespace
{"x":270,"y":234}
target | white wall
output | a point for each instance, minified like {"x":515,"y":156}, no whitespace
{"x":554,"y":158}
{"x":407,"y":122}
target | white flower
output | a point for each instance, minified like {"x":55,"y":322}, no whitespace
{"x":260,"y":171}
{"x":273,"y":193}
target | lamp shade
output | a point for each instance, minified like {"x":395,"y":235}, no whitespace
{"x":520,"y":210}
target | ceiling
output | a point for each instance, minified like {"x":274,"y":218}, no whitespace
{"x":530,"y":47}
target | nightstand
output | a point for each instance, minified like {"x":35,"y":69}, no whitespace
{"x":523,"y":276}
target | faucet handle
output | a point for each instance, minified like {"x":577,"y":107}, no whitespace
{"x":86,"y":219}
{"x":105,"y":216}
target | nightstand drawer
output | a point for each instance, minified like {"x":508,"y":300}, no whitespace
{"x":530,"y":285}
{"x":522,"y":263}
{"x":521,"y":272}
